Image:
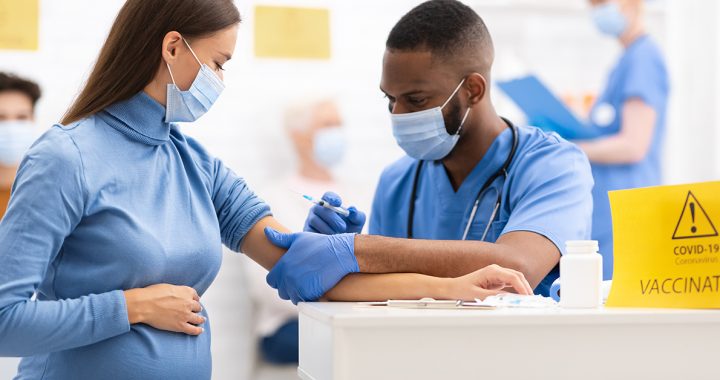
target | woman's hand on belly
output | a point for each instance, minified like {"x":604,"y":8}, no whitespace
{"x":166,"y":307}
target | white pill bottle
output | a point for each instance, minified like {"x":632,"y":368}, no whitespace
{"x":581,"y":272}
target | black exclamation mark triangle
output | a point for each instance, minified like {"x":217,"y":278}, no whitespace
{"x":694,"y":222}
{"x":693,"y":229}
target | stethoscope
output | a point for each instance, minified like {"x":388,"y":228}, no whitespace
{"x":502,"y":172}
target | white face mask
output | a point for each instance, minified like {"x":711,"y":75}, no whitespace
{"x":16,"y":136}
{"x":188,"y":106}
{"x":423,"y":135}
{"x":329,"y":145}
{"x":609,"y":19}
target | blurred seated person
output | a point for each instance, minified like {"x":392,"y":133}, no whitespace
{"x":18,"y":97}
{"x":314,"y":127}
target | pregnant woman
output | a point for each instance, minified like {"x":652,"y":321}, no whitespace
{"x":116,"y":218}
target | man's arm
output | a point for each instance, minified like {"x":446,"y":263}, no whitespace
{"x":632,"y":143}
{"x":478,"y":282}
{"x":527,"y":252}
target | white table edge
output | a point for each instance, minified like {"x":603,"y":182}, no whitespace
{"x":339,"y":314}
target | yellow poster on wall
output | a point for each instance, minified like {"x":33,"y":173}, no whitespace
{"x":666,"y":246}
{"x":287,"y":32}
{"x":19,"y":23}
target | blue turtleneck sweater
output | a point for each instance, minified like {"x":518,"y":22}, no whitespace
{"x":116,"y":201}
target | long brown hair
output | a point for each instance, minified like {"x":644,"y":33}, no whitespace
{"x":131,"y":55}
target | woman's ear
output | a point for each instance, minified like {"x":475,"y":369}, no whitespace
{"x":477,"y":85}
{"x":170,"y":45}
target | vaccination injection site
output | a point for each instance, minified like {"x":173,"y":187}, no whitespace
{"x":359,"y":190}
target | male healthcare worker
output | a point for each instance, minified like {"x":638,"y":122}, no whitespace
{"x":630,"y":114}
{"x":474,"y":189}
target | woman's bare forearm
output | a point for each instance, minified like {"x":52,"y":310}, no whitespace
{"x":258,"y":248}
{"x":382,"y":287}
{"x":490,"y":280}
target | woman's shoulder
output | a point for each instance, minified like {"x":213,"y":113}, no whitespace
{"x":71,"y":139}
{"x":57,"y":142}
{"x":54,"y":154}
{"x":78,"y":126}
{"x":78,"y":132}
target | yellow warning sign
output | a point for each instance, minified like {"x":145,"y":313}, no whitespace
{"x":666,"y":246}
{"x":694,"y":221}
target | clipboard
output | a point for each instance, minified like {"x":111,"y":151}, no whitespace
{"x":430,"y":303}
{"x":544,"y":110}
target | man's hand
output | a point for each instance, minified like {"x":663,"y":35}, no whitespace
{"x":325,"y":221}
{"x":312,"y":265}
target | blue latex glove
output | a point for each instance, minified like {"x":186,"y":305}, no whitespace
{"x":312,"y":265}
{"x":322,"y":220}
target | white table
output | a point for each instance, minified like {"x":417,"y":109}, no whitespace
{"x":345,"y":341}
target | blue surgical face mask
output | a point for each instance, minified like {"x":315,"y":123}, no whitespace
{"x":329,"y":146}
{"x":15,"y":138}
{"x":609,"y":19}
{"x":188,"y":106}
{"x":422,"y":135}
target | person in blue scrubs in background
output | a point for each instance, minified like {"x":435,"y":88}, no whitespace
{"x":533,"y":189}
{"x":116,"y":218}
{"x":630,"y":114}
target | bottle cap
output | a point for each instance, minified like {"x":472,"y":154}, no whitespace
{"x":581,"y":246}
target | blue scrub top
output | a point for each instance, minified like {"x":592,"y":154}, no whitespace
{"x":548,"y":191}
{"x":640,"y":74}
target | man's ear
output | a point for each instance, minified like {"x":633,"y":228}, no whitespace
{"x":477,"y":86}
{"x":171,"y":42}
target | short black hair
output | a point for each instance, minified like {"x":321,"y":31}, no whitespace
{"x":10,"y":82}
{"x":446,"y":28}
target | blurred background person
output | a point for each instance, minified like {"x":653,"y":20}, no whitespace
{"x":630,"y":113}
{"x":314,"y":127}
{"x":18,"y":97}
{"x":315,"y":130}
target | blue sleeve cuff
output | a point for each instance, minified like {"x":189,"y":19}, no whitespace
{"x":109,"y":315}
{"x":250,"y":219}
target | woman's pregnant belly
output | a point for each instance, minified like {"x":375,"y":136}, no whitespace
{"x":143,"y":353}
